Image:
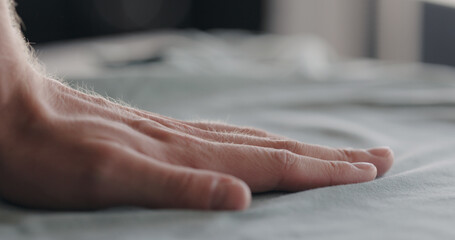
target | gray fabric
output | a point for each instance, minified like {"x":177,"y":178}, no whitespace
{"x":411,"y":109}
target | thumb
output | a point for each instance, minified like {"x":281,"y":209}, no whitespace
{"x":149,"y":183}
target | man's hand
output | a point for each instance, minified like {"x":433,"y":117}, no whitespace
{"x":64,"y":149}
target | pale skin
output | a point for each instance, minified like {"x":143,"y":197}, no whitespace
{"x":64,"y":149}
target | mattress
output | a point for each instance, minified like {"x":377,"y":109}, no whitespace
{"x":360,"y":104}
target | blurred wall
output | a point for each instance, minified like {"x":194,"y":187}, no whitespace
{"x":415,"y":31}
{"x":395,"y":30}
{"x":399,"y":26}
{"x":342,"y":23}
{"x":438,"y":32}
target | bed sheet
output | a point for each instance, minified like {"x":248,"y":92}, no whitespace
{"x":410,"y":108}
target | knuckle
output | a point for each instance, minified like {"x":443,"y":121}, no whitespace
{"x":253,"y":131}
{"x":184,"y":186}
{"x":332,"y":171}
{"x":150,"y":128}
{"x":189,"y":151}
{"x":285,"y":162}
{"x":285,"y":159}
{"x":336,"y":170}
{"x":345,"y":154}
{"x":140,"y":124}
{"x":178,"y":187}
{"x":183,"y":128}
{"x":186,"y":140}
{"x":288,"y":145}
{"x":332,"y":168}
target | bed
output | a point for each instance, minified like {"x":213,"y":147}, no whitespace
{"x":293,"y":86}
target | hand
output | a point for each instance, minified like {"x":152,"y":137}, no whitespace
{"x":63,"y":149}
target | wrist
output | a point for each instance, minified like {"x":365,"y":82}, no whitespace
{"x":21,"y":98}
{"x":15,"y":79}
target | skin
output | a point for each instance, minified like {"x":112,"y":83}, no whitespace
{"x":64,"y":149}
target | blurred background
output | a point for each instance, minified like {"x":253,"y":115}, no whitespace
{"x":396,"y":30}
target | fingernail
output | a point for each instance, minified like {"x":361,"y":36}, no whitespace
{"x":364,"y":166}
{"x":380,"y":151}
{"x":230,"y":195}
